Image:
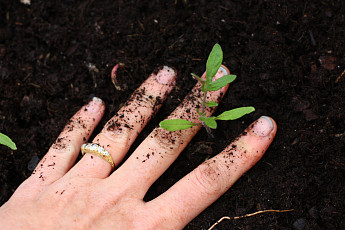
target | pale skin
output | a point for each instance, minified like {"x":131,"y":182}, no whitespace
{"x":65,"y":194}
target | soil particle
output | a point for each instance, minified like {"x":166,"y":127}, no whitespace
{"x":299,"y":224}
{"x":53,"y":164}
{"x":60,"y":143}
{"x":33,"y":162}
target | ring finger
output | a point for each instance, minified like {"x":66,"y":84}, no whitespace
{"x":121,"y":130}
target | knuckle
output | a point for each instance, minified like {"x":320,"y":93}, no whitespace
{"x":141,"y":98}
{"x":59,"y":152}
{"x":113,"y":139}
{"x":210,"y":178}
{"x":167,"y":140}
{"x":62,"y":144}
{"x":117,"y":125}
{"x":75,"y":123}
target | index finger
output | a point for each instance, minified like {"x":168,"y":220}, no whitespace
{"x":204,"y":185}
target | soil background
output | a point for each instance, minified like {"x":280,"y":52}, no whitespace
{"x":288,"y":56}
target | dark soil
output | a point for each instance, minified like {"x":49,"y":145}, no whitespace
{"x":55,"y":55}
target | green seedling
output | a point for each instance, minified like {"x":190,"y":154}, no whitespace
{"x":214,"y":61}
{"x":5,"y":140}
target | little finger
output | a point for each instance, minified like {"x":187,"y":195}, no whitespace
{"x":63,"y":153}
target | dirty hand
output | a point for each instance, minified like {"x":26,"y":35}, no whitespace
{"x":88,"y":195}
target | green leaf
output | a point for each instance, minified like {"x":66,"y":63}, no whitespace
{"x":5,"y":140}
{"x":176,"y":124}
{"x":210,"y":122}
{"x":211,"y":104}
{"x":197,"y":77}
{"x":221,"y":82}
{"x":213,"y":62}
{"x":235,"y":113}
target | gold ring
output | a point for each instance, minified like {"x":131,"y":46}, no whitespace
{"x":98,"y":150}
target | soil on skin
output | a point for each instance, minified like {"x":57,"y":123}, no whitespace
{"x":55,"y":55}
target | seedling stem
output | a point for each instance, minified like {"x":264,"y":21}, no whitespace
{"x":213,"y":64}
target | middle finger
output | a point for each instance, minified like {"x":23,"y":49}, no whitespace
{"x":160,"y":149}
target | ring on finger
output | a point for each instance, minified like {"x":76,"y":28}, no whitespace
{"x":99,"y":151}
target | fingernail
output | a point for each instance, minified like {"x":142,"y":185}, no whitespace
{"x":222,"y":71}
{"x":94,"y":105}
{"x":263,"y":126}
{"x":166,"y":75}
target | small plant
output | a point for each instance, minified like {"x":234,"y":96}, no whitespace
{"x":5,"y":140}
{"x":214,"y":61}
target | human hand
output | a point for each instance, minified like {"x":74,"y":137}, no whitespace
{"x":87,"y":195}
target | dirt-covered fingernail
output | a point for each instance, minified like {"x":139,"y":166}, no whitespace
{"x":166,"y":75}
{"x":95,"y":105}
{"x":222,"y":71}
{"x":263,"y":126}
